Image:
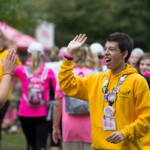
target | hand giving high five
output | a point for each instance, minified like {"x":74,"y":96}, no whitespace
{"x":8,"y":65}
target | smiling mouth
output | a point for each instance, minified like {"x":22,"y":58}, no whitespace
{"x":107,"y":60}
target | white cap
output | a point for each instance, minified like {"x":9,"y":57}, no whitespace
{"x":97,"y":48}
{"x":138,"y":50}
{"x":36,"y":46}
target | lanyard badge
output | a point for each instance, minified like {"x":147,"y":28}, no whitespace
{"x":109,"y":111}
{"x":109,"y":124}
{"x":108,"y":118}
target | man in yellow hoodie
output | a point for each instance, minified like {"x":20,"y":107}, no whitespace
{"x":119,"y":99}
{"x":3,"y":54}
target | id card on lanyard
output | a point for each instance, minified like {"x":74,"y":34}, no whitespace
{"x":109,"y":124}
{"x":108,"y":118}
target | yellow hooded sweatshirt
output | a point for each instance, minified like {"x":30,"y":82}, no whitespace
{"x":132,"y":107}
{"x":146,"y":142}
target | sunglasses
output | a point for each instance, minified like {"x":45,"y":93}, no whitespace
{"x":99,"y":56}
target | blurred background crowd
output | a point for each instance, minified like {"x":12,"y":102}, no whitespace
{"x":53,"y":24}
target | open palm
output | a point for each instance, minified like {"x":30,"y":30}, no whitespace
{"x":76,"y":43}
{"x":9,"y":64}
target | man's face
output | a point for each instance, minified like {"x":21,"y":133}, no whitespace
{"x":113,"y":57}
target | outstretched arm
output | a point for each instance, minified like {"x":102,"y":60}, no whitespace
{"x":73,"y":86}
{"x":8,"y":66}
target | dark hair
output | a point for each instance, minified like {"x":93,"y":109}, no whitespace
{"x":143,"y":57}
{"x":125,"y":42}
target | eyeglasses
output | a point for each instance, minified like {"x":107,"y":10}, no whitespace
{"x":100,"y":56}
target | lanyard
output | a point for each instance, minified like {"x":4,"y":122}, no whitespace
{"x":112,"y":96}
{"x":108,"y":120}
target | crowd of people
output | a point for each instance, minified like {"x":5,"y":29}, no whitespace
{"x":100,"y":93}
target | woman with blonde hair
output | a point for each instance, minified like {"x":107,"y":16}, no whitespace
{"x":76,"y":125}
{"x":84,"y":58}
{"x":35,"y":96}
{"x":97,"y":50}
{"x":55,"y":56}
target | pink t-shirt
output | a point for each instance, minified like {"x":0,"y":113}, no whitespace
{"x":74,"y":128}
{"x":24,"y":109}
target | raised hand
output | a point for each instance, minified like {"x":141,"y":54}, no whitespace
{"x":9,"y":64}
{"x":76,"y":43}
{"x":115,"y":137}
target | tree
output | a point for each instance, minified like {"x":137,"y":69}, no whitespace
{"x":96,"y":18}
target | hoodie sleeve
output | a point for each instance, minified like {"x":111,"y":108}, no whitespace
{"x":72,"y":86}
{"x":141,"y":125}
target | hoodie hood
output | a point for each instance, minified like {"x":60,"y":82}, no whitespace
{"x":127,"y":71}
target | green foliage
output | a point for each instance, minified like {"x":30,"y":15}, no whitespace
{"x":96,"y":18}
{"x":19,"y":14}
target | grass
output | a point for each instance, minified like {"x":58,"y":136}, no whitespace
{"x":13,"y":141}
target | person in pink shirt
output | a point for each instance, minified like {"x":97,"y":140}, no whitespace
{"x":33,"y":109}
{"x":10,"y":119}
{"x":76,"y":129}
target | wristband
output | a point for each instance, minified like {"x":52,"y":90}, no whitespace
{"x":55,"y":128}
{"x":69,"y":57}
{"x":7,"y":73}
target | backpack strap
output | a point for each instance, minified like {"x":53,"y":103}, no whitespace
{"x":44,"y":73}
{"x":28,"y":72}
